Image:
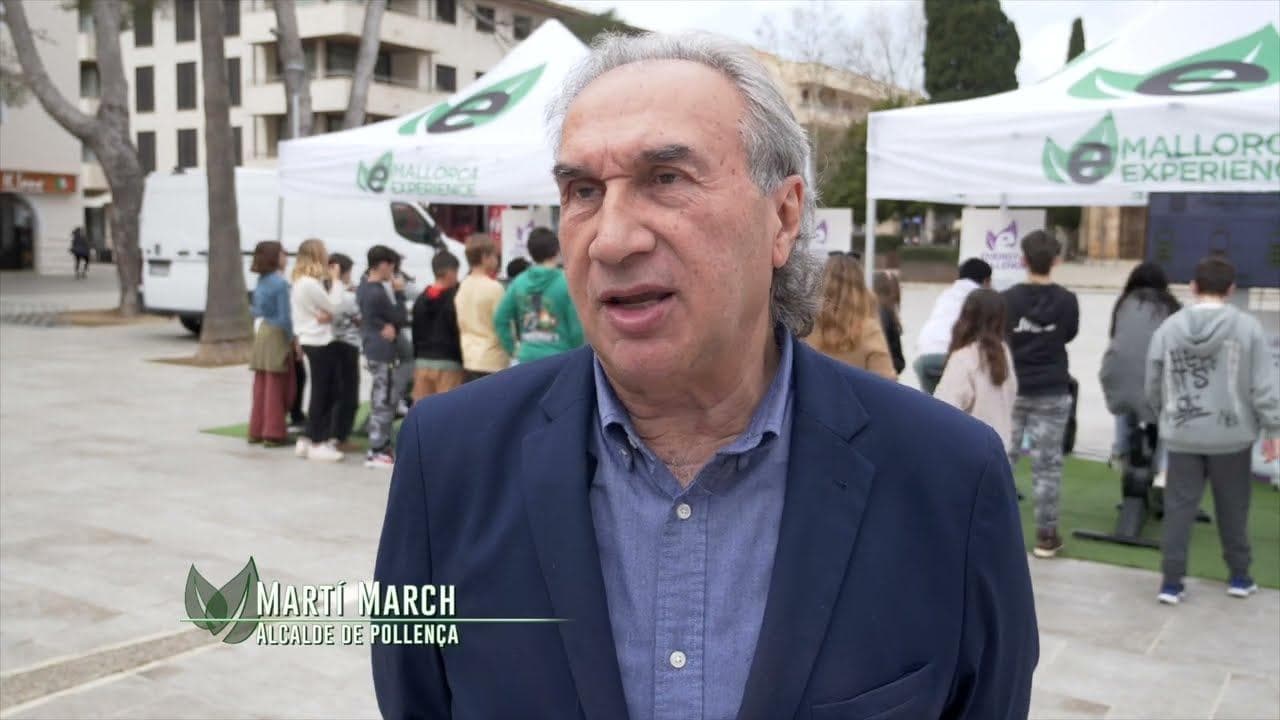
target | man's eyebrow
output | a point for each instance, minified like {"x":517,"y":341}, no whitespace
{"x":673,"y":153}
{"x":563,"y":171}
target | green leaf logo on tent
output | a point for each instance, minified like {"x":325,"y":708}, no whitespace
{"x":374,"y":178}
{"x":234,"y":605}
{"x":478,"y":109}
{"x":1089,"y":160}
{"x":1246,"y":63}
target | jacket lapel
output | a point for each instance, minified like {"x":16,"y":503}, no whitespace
{"x":557,"y":472}
{"x":828,"y":484}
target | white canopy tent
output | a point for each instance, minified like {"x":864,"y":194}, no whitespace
{"x":1186,"y":99}
{"x":487,"y":144}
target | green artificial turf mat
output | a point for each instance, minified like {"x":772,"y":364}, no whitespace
{"x":1090,"y":492}
{"x":240,"y":431}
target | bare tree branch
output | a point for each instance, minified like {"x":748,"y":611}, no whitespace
{"x":37,"y":78}
{"x":366,"y":60}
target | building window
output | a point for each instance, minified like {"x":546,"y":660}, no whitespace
{"x":188,"y":154}
{"x":447,"y":11}
{"x":484,"y":19}
{"x":237,"y":149}
{"x":340,"y":61}
{"x":523,"y":26}
{"x":86,"y":154}
{"x":446,"y":78}
{"x":233,"y":80}
{"x":147,"y":151}
{"x":187,"y":86}
{"x":185,"y":20}
{"x":90,"y":86}
{"x":142,"y":25}
{"x":231,"y":14}
{"x":144,"y":87}
{"x":479,"y":74}
{"x":84,"y":13}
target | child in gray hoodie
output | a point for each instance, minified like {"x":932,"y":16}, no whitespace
{"x":1209,"y":377}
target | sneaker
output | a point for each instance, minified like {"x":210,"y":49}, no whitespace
{"x":324,"y":452}
{"x":1047,"y":544}
{"x":1242,"y":587}
{"x":255,"y":441}
{"x":303,"y":447}
{"x":1171,"y":593}
{"x":379,"y":459}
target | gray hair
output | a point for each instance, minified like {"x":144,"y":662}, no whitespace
{"x":775,"y":143}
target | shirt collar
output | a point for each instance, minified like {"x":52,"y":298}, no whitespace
{"x":766,"y":422}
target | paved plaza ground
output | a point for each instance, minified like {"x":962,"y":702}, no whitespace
{"x":109,"y":493}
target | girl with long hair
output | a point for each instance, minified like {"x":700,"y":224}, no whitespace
{"x":1143,"y":305}
{"x":979,"y":377}
{"x":317,"y":292}
{"x":272,"y":357}
{"x":889,"y":295}
{"x":848,"y":326}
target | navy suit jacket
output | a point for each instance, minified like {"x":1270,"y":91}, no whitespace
{"x":900,"y":587}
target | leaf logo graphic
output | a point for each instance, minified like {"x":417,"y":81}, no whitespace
{"x":1089,"y":160}
{"x":478,"y":109}
{"x":1247,"y":63}
{"x":234,"y":605}
{"x":374,"y":179}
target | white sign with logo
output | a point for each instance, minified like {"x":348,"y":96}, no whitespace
{"x":517,"y":223}
{"x":833,"y":231}
{"x":995,"y":235}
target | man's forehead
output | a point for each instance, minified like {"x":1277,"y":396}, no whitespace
{"x":653,"y":110}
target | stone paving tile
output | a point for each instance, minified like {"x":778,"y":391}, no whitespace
{"x":1046,"y":704}
{"x":1131,"y":684}
{"x":1246,"y":696}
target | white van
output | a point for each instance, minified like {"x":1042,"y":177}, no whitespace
{"x":174,"y":235}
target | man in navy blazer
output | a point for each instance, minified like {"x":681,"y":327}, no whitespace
{"x":722,"y":522}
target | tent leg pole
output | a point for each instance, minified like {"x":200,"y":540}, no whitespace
{"x":869,"y":242}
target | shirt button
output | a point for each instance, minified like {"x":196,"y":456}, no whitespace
{"x":683,"y":511}
{"x":677,"y":659}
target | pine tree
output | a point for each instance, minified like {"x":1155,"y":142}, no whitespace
{"x":1076,"y":46}
{"x":971,"y":49}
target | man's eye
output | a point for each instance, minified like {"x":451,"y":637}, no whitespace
{"x":666,"y":178}
{"x":582,"y":191}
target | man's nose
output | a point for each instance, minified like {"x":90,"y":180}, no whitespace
{"x":620,"y":232}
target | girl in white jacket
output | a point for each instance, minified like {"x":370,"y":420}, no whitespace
{"x":312,"y":306}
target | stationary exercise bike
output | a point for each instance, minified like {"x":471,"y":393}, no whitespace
{"x":1135,"y":483}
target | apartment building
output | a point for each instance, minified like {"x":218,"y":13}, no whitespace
{"x":825,"y":97}
{"x":428,"y":50}
{"x":40,"y":201}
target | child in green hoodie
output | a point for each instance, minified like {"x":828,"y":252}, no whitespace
{"x":536,"y":317}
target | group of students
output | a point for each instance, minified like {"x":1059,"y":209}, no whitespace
{"x":457,"y":331}
{"x":1199,"y":378}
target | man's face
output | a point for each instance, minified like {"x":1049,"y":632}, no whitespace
{"x":669,"y":247}
{"x":382,"y":271}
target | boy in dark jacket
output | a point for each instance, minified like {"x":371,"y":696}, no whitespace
{"x":1043,"y":317}
{"x":381,"y":314}
{"x":437,"y":344}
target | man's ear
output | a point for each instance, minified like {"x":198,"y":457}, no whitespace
{"x":787,"y":201}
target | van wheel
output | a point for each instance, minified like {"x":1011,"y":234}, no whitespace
{"x":191,"y":323}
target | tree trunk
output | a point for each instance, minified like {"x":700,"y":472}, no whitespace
{"x":226,"y":331}
{"x":366,"y":59}
{"x":289,"y":49}
{"x":107,"y":134}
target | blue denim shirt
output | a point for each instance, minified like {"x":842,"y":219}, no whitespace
{"x":271,"y":301}
{"x":687,"y":571}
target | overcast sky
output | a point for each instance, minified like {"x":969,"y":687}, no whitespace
{"x":1044,"y":26}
